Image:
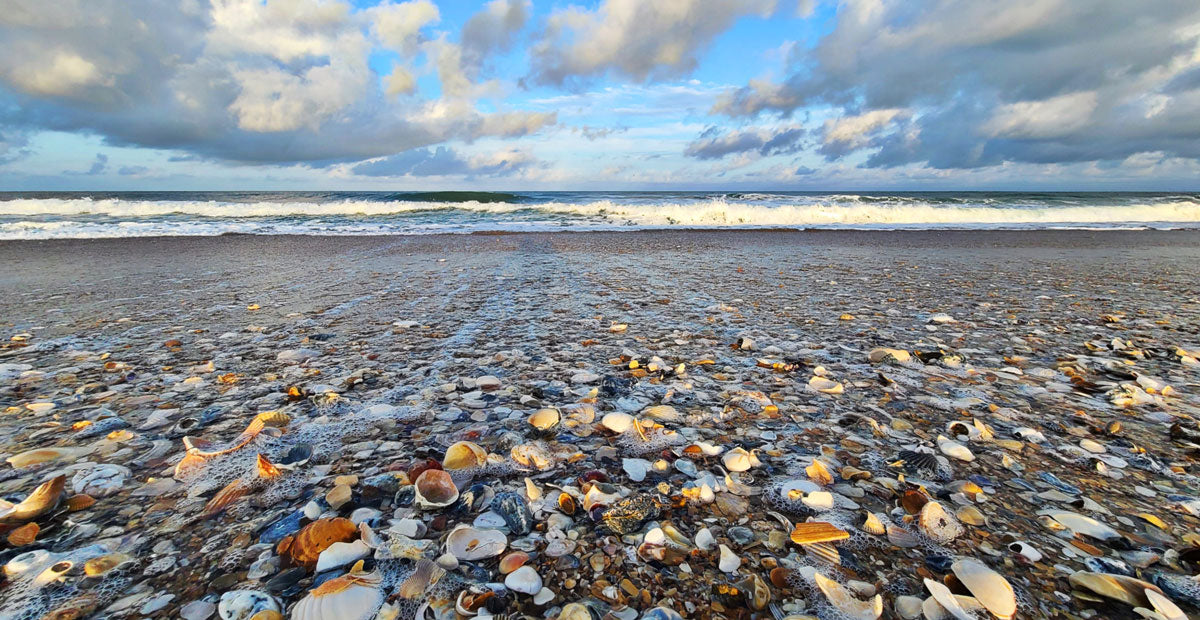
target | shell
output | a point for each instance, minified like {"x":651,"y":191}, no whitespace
{"x":987,"y":586}
{"x":274,"y":419}
{"x":200,"y":451}
{"x":513,"y":561}
{"x":23,"y":535}
{"x":1117,"y":587}
{"x":817,"y":532}
{"x":566,"y":503}
{"x":225,"y":497}
{"x":617,"y":422}
{"x":43,"y":455}
{"x":874,"y":525}
{"x":825,"y":386}
{"x":515,"y":511}
{"x":627,"y":515}
{"x":80,"y":501}
{"x":971,"y":515}
{"x":99,"y":566}
{"x":243,"y":604}
{"x":738,"y":459}
{"x":938,"y":524}
{"x":532,"y":455}
{"x":545,"y":419}
{"x":888,"y":355}
{"x":354,"y":596}
{"x":846,"y":602}
{"x":464,"y":455}
{"x":954,"y":450}
{"x":1079,"y":524}
{"x":1026,"y":551}
{"x":818,"y":473}
{"x":913,"y":501}
{"x":469,"y":544}
{"x":42,"y":500}
{"x":524,"y":580}
{"x":758,"y":595}
{"x":943,"y":603}
{"x":824,"y":552}
{"x":1165,"y":606}
{"x":305,"y":547}
{"x":901,"y":537}
{"x":435,"y":489}
{"x":426,"y":574}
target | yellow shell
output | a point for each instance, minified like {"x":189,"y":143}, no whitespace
{"x":274,"y":419}
{"x":23,"y":535}
{"x":818,"y":473}
{"x":42,"y":500}
{"x":81,"y":501}
{"x":817,"y":532}
{"x":545,"y":419}
{"x":464,"y":455}
{"x":874,"y":525}
{"x":96,"y":567}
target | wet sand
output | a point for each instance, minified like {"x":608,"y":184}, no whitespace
{"x":1035,"y":315}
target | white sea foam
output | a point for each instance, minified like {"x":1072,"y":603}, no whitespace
{"x":82,"y":217}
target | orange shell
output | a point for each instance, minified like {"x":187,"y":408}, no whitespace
{"x":304,"y":546}
{"x":913,"y":501}
{"x":226,"y":496}
{"x":81,"y":501}
{"x":42,"y":500}
{"x":817,"y":532}
{"x":267,"y":469}
{"x":23,"y":535}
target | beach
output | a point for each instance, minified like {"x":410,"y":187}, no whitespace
{"x":1041,"y":385}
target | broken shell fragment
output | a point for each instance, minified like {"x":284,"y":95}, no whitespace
{"x":738,"y":459}
{"x":846,"y":602}
{"x":938,"y":524}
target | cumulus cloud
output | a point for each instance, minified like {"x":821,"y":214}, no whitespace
{"x":634,"y":38}
{"x":399,"y":26}
{"x":444,"y":161}
{"x":494,"y":29}
{"x":99,"y":165}
{"x":1041,"y":81}
{"x":715,"y":144}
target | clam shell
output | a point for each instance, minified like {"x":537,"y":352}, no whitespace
{"x":938,"y":524}
{"x":99,"y":566}
{"x":545,"y":419}
{"x":532,"y":455}
{"x":874,"y":525}
{"x":846,"y":602}
{"x":566,"y":503}
{"x":435,"y":489}
{"x":349,"y":597}
{"x":617,"y":422}
{"x":987,"y":586}
{"x":955,"y":450}
{"x":1079,"y":524}
{"x":817,"y":532}
{"x":524,"y":580}
{"x":947,"y":600}
{"x":825,"y":386}
{"x":971,"y":515}
{"x":23,"y":535}
{"x":1117,"y":587}
{"x":464,"y":455}
{"x":42,"y":500}
{"x":1165,"y":606}
{"x":305,"y":547}
{"x":426,"y":574}
{"x":469,"y":544}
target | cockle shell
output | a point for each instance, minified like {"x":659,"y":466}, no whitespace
{"x":874,"y":525}
{"x":545,"y":419}
{"x":435,"y":489}
{"x":469,"y":544}
{"x":846,"y":602}
{"x":464,"y":455}
{"x":43,"y":499}
{"x":305,"y":547}
{"x":987,"y":586}
{"x":425,"y":574}
{"x":24,"y":535}
{"x":353,"y":596}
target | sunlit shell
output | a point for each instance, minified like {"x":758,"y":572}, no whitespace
{"x":469,"y":544}
{"x":938,"y":524}
{"x":464,"y":455}
{"x":354,"y":596}
{"x":817,"y":532}
{"x":97,"y":567}
{"x":826,"y":386}
{"x":426,"y":574}
{"x":42,"y":500}
{"x":1117,"y":587}
{"x":512,"y":561}
{"x":757,"y":594}
{"x":200,"y":451}
{"x":274,"y":419}
{"x":854,"y":473}
{"x":617,"y":422}
{"x":435,"y":489}
{"x":566,"y":503}
{"x":971,"y":515}
{"x":80,"y":501}
{"x":913,"y":501}
{"x":1165,"y":606}
{"x":1079,"y":524}
{"x":987,"y":586}
{"x":954,"y":450}
{"x":874,"y":525}
{"x":532,"y":455}
{"x":738,"y":459}
{"x":24,"y":535}
{"x":888,"y":355}
{"x":267,"y":614}
{"x":304,"y":547}
{"x":545,"y":419}
{"x":524,"y":580}
{"x":846,"y":602}
{"x":818,"y":473}
{"x":225,"y":497}
{"x":43,"y":455}
{"x":945,"y":605}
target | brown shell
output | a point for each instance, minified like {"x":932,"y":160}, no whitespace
{"x":913,"y":501}
{"x":566,"y":503}
{"x":266,"y":469}
{"x":817,"y":532}
{"x":226,"y":496}
{"x":80,"y":501}
{"x":304,"y":546}
{"x":23,"y":535}
{"x":44,"y":499}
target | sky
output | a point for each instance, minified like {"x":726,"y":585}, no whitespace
{"x":607,"y":95}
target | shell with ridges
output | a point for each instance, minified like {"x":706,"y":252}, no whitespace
{"x":353,"y":596}
{"x":545,"y":419}
{"x":817,"y":532}
{"x":305,"y":547}
{"x":24,"y":535}
{"x":874,"y":525}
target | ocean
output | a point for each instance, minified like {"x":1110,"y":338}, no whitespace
{"x":60,"y":215}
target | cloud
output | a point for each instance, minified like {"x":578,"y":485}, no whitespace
{"x":132,"y":171}
{"x":399,"y":26}
{"x":493,"y":29}
{"x":1042,"y":81}
{"x":715,"y":144}
{"x":597,"y":133}
{"x":636,"y":39}
{"x":444,"y":161}
{"x":99,"y":166}
{"x":13,"y":144}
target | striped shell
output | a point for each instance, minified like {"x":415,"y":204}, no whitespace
{"x":874,"y":525}
{"x":818,"y":473}
{"x":824,"y":552}
{"x":274,"y":419}
{"x":304,"y":547}
{"x":918,"y":463}
{"x":23,"y":535}
{"x":80,"y":501}
{"x":817,"y":532}
{"x":354,"y":596}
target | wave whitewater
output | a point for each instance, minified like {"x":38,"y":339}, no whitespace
{"x":25,"y":218}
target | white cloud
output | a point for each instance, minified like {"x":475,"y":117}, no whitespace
{"x":1051,"y":118}
{"x":851,"y":130}
{"x":59,"y":73}
{"x":398,"y":26}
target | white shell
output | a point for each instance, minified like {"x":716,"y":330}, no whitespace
{"x":1080,"y":524}
{"x":729,"y":562}
{"x":738,"y":459}
{"x":100,"y":480}
{"x":846,"y":602}
{"x":1165,"y":606}
{"x":1026,"y":550}
{"x":636,"y":469}
{"x":825,"y":386}
{"x":988,"y":587}
{"x":241,"y":604}
{"x":469,"y":544}
{"x":524,"y":580}
{"x":359,"y":601}
{"x":953,"y":449}
{"x":704,"y":539}
{"x":617,"y":422}
{"x":341,"y":554}
{"x":947,"y":600}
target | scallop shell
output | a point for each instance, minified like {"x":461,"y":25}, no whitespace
{"x":464,"y":455}
{"x":354,"y":596}
{"x":304,"y":547}
{"x":918,"y":463}
{"x":874,"y":525}
{"x":938,"y":524}
{"x":426,"y":574}
{"x":817,"y":532}
{"x":42,"y":500}
{"x":274,"y":419}
{"x":824,"y":552}
{"x":901,"y":537}
{"x":987,"y":586}
{"x":469,"y":544}
{"x":545,"y":419}
{"x":617,"y":422}
{"x":24,"y":535}
{"x":80,"y":501}
{"x":846,"y":602}
{"x":435,"y":489}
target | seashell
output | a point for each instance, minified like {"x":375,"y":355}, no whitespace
{"x":340,"y":554}
{"x":971,"y":516}
{"x":824,"y":552}
{"x":825,"y":386}
{"x":704,"y":539}
{"x":464,"y":455}
{"x":918,"y":463}
{"x":844,"y":600}
{"x":243,"y":604}
{"x":954,"y":450}
{"x":274,"y":419}
{"x":532,"y":455}
{"x":1165,"y":606}
{"x":425,"y":574}
{"x":938,"y":524}
{"x":1079,"y":524}
{"x":515,"y":511}
{"x":305,"y":547}
{"x":1026,"y":551}
{"x":44,"y":455}
{"x":817,"y":532}
{"x":575,"y":611}
{"x":987,"y":586}
{"x":818,"y":473}
{"x":627,"y":515}
{"x":943,"y":601}
{"x":617,"y":422}
{"x":267,"y":614}
{"x":435,"y":489}
{"x":225,"y":497}
{"x":512,"y":561}
{"x":100,"y":480}
{"x":545,"y":419}
{"x":80,"y":501}
{"x":873,"y":525}
{"x":42,"y":500}
{"x":469,"y":544}
{"x":1183,"y":587}
{"x":913,"y":501}
{"x":23,"y":535}
{"x":524,"y":580}
{"x":880,"y":355}
{"x":758,"y":595}
{"x":636,"y":469}
{"x":738,"y":459}
{"x":854,"y":473}
{"x":102,"y":565}
{"x":353,"y":596}
{"x":1117,"y":587}
{"x":566,"y":503}
{"x":901,"y":537}
{"x":729,"y":561}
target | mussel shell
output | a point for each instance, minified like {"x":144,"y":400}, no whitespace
{"x":514,"y":510}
